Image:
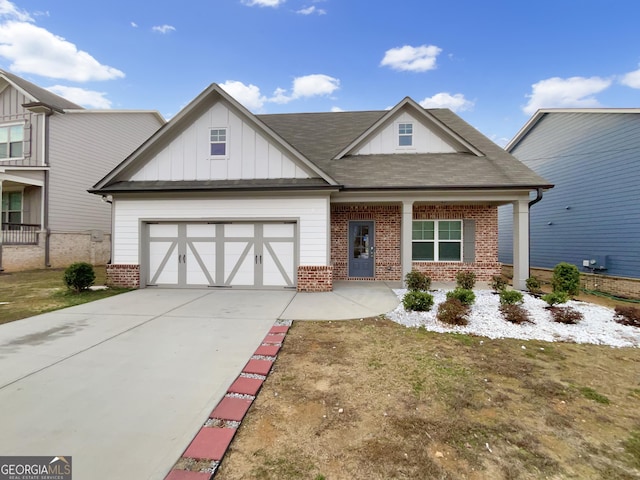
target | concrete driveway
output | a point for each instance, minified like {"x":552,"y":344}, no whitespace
{"x":123,"y":384}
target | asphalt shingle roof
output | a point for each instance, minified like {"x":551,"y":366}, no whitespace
{"x":42,"y":95}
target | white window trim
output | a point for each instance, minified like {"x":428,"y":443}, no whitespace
{"x":436,"y":241}
{"x":9,"y":125}
{"x":398,"y":135}
{"x":226,"y":143}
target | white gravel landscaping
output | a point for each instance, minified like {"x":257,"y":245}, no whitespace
{"x":597,"y":327}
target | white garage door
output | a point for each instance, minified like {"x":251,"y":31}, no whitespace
{"x":235,"y":254}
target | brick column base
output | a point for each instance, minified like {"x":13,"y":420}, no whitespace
{"x":312,"y":278}
{"x":123,"y":275}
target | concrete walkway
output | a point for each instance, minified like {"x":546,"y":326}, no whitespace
{"x":123,"y":384}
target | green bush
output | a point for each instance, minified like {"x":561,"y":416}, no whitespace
{"x":466,"y":279}
{"x":514,"y":313}
{"x":533,"y":284}
{"x":453,"y":312}
{"x":417,"y":281}
{"x":79,"y":276}
{"x":555,"y":298}
{"x":418,"y":301}
{"x":510,"y":297}
{"x":566,"y":278}
{"x":465,"y":296}
{"x":498,"y":283}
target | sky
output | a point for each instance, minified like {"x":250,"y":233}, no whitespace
{"x":494,"y":63}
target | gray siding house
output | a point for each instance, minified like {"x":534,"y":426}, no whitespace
{"x":592,"y":217}
{"x":51,"y":152}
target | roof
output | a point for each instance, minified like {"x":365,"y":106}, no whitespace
{"x":545,"y":111}
{"x":322,"y":142}
{"x":39,"y":94}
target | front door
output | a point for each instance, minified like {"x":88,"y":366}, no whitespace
{"x":361,"y":249}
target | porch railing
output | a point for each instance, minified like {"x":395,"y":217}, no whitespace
{"x":20,"y":233}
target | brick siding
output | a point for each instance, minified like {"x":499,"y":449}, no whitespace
{"x":123,"y":275}
{"x":313,"y":278}
{"x":386,"y":220}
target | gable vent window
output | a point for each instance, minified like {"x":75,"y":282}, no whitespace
{"x":405,"y":134}
{"x":11,"y":141}
{"x":218,"y":142}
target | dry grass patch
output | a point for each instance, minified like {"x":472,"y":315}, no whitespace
{"x":374,"y":400}
{"x":39,"y":291}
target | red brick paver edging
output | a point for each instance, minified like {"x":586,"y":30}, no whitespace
{"x":213,"y":439}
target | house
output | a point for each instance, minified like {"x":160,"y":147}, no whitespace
{"x":221,"y":197}
{"x":592,"y":217}
{"x":51,"y":151}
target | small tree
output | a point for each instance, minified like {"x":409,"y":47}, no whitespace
{"x":79,"y":276}
{"x":566,"y":278}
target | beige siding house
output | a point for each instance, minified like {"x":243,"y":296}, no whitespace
{"x":51,"y":152}
{"x":220,"y":197}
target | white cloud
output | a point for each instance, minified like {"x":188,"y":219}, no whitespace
{"x":10,"y":11}
{"x":263,"y":3}
{"x":247,"y":95}
{"x":310,"y":10}
{"x":631,"y":79}
{"x":336,"y":109}
{"x":35,"y":50}
{"x":574,"y":92}
{"x":164,"y":28}
{"x":455,"y":102}
{"x":411,"y":59}
{"x":86,"y":98}
{"x":134,"y":24}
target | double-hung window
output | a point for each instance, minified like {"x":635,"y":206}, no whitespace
{"x":437,"y":241}
{"x":12,"y":209}
{"x":11,"y":141}
{"x":218,"y":139}
{"x":405,"y":134}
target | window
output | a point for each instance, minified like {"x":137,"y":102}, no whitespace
{"x":405,"y":134}
{"x":437,"y":240}
{"x":218,"y":142}
{"x":11,"y":138}
{"x":12,"y":208}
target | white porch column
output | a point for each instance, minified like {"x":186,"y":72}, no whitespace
{"x":520,"y":244}
{"x":406,"y":235}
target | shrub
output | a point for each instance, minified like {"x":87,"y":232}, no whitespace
{"x":453,"y":312}
{"x":628,"y":316}
{"x":510,"y":297}
{"x":567,"y":315}
{"x":466,"y":279}
{"x":418,"y":301}
{"x":533,"y":285}
{"x":79,"y":276}
{"x":566,"y":278}
{"x":417,"y":281}
{"x":498,"y":283}
{"x":514,"y":313}
{"x":465,"y":296}
{"x":555,"y":298}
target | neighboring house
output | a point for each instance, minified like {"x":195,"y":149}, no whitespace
{"x":51,"y":152}
{"x":592,"y":217}
{"x":220,"y":197}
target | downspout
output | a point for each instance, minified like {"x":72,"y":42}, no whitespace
{"x":1,"y":234}
{"x":531,"y":204}
{"x":45,"y":207}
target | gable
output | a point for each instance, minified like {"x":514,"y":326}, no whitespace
{"x":424,"y":138}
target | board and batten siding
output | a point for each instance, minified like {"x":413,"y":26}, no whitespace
{"x":84,"y":147}
{"x":424,"y":139}
{"x":12,"y":111}
{"x":593,"y":212}
{"x":249,"y":154}
{"x":310,"y":212}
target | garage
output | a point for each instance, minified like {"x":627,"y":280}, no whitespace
{"x":221,"y":254}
